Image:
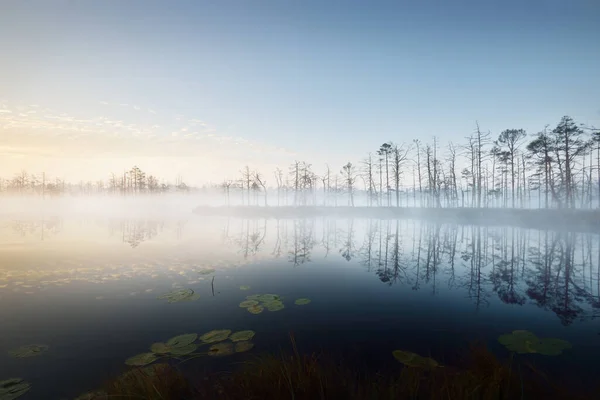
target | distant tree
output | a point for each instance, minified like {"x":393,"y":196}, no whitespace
{"x":349,"y":173}
{"x":508,"y":142}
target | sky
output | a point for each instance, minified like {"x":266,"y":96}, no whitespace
{"x":199,"y":89}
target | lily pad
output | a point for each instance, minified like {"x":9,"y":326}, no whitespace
{"x":255,"y":309}
{"x":551,"y":346}
{"x":265,"y":298}
{"x":178,"y":295}
{"x":182,"y":340}
{"x":248,"y":303}
{"x":215,"y":336}
{"x":414,"y":360}
{"x":29,"y":350}
{"x":193,"y":297}
{"x":274,"y":305}
{"x":160,"y":348}
{"x":519,"y":341}
{"x":141,"y":359}
{"x":253,"y":297}
{"x":241,"y":336}
{"x":221,"y":349}
{"x":13,"y":388}
{"x":183,"y":350}
{"x":302,"y":302}
{"x":244,"y":287}
{"x":206,"y":271}
{"x":242,"y":346}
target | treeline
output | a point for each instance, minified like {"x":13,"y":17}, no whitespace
{"x":554,"y":168}
{"x":132,"y":182}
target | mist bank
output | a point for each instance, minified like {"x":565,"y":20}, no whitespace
{"x":568,"y":219}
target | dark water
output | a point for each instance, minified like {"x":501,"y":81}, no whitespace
{"x":88,"y":289}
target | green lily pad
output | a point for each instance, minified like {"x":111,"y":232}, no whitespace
{"x":182,"y":340}
{"x":160,"y":348}
{"x":242,"y":335}
{"x":302,"y":302}
{"x":178,"y":295}
{"x":183,"y":350}
{"x":13,"y":388}
{"x":206,"y":271}
{"x":242,"y":346}
{"x":29,"y":350}
{"x":265,"y":298}
{"x":221,"y":349}
{"x":414,"y":360}
{"x":193,"y":297}
{"x":274,"y":305}
{"x":255,"y":309}
{"x":551,"y":346}
{"x":519,"y":341}
{"x":141,"y":359}
{"x":244,"y":287}
{"x":253,"y":297}
{"x":215,"y":336}
{"x":248,"y":303}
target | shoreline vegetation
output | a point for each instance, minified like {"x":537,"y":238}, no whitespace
{"x":546,"y":219}
{"x":292,"y":375}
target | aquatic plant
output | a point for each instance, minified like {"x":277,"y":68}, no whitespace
{"x":244,"y":287}
{"x":179,"y":295}
{"x":248,"y":303}
{"x":215,"y":336}
{"x":414,"y":360}
{"x":13,"y":388}
{"x":525,"y":342}
{"x":206,"y":271}
{"x":29,"y":350}
{"x":274,"y":305}
{"x":255,"y":309}
{"x":302,"y":302}
{"x":242,"y":335}
{"x":141,"y":359}
{"x":243,"y":346}
{"x":221,"y":349}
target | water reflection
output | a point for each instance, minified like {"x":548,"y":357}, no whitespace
{"x":556,"y":271}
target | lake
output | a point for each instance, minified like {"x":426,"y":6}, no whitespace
{"x":88,"y":286}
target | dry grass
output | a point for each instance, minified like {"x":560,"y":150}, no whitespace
{"x":315,"y":377}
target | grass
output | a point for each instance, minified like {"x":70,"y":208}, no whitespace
{"x":296,"y":376}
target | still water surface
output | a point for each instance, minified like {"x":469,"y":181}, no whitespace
{"x":88,"y":288}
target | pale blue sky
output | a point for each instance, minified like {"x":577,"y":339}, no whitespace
{"x":327,"y":80}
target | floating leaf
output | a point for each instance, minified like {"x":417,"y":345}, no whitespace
{"x":182,"y":340}
{"x":240,"y":347}
{"x":160,"y":348}
{"x":253,"y":297}
{"x":29,"y":350}
{"x":141,"y":359}
{"x":242,"y":335}
{"x":255,"y":309}
{"x":178,"y":295}
{"x":414,"y":360}
{"x":265,"y":298}
{"x":244,"y":287}
{"x":520,"y":341}
{"x":13,"y":388}
{"x":215,"y":336}
{"x":274,"y":305}
{"x":551,"y":346}
{"x":206,"y":271}
{"x":183,"y":350}
{"x":248,"y":303}
{"x":302,"y":302}
{"x":221,"y":349}
{"x":193,"y":297}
